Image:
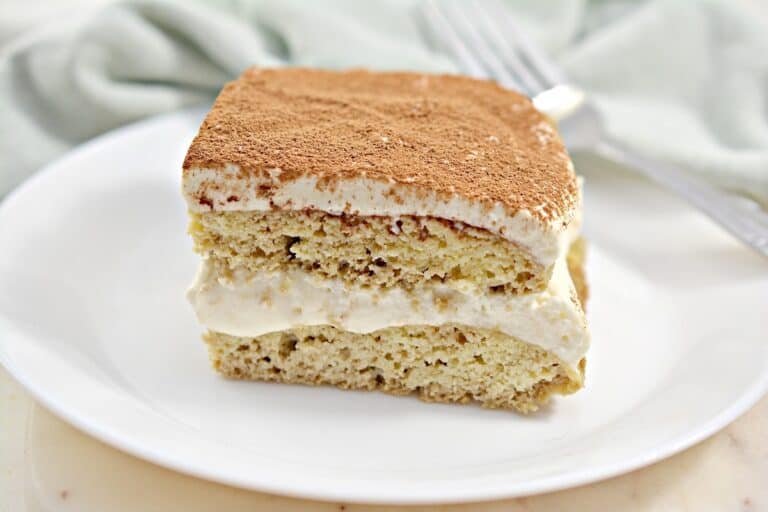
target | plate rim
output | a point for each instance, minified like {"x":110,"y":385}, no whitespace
{"x":256,"y":481}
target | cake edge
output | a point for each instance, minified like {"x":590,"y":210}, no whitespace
{"x":527,"y":400}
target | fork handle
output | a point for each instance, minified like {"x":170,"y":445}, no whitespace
{"x":748,"y":224}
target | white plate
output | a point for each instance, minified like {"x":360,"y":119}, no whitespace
{"x":94,"y":262}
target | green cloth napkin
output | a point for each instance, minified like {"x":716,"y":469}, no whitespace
{"x":686,"y":81}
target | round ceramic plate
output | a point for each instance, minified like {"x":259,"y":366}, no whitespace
{"x":95,"y":260}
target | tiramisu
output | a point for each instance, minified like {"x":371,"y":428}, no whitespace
{"x":393,"y":231}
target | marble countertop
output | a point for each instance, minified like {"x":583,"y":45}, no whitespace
{"x":46,"y":465}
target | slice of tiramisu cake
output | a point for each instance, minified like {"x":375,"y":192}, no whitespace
{"x":392,"y":231}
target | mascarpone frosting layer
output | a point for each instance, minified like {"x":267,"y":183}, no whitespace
{"x":264,"y":303}
{"x":229,"y":189}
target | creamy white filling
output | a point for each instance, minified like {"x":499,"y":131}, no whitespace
{"x":274,"y":302}
{"x":230,"y":190}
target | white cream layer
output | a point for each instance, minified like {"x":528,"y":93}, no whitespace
{"x":230,"y":190}
{"x":275,"y":302}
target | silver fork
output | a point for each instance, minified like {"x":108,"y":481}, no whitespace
{"x":485,"y":41}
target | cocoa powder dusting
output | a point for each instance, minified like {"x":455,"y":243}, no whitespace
{"x":433,"y":133}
